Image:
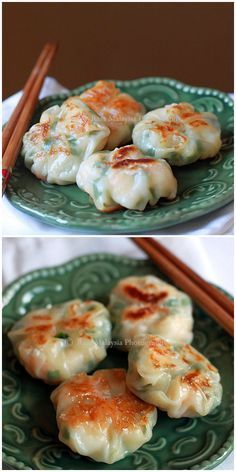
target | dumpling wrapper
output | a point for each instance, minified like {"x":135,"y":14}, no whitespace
{"x":119,"y":110}
{"x":147,"y":304}
{"x":54,"y":148}
{"x":179,"y":134}
{"x":99,"y":417}
{"x":125,"y":178}
{"x":55,"y":343}
{"x":174,"y":377}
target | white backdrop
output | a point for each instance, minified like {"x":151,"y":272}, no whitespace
{"x":211,"y":257}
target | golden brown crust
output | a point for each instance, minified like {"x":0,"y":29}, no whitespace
{"x":99,"y":95}
{"x":107,"y":100}
{"x":111,"y":209}
{"x":94,"y":401}
{"x":133,"y":163}
{"x":144,"y":296}
{"x":195,"y":380}
{"x":197,"y":123}
{"x":121,"y":153}
{"x":81,"y":322}
{"x":39,"y":334}
{"x":160,"y":347}
{"x":136,"y":314}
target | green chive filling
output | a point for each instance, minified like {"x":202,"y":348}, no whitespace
{"x":66,"y":434}
{"x":53,"y":375}
{"x":62,"y":336}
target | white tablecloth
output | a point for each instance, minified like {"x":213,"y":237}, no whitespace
{"x":16,"y":223}
{"x":211,"y":257}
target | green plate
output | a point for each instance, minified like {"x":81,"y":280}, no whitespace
{"x":202,"y":187}
{"x":29,"y":426}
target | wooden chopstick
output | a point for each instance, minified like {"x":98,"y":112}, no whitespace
{"x":8,"y":130}
{"x":184,"y":282}
{"x":24,"y":115}
{"x":212,"y":291}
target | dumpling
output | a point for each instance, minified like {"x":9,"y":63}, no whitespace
{"x":119,"y":110}
{"x":55,"y":343}
{"x":179,"y":134}
{"x":174,"y":377}
{"x":99,"y":417}
{"x":54,"y":148}
{"x":147,"y":304}
{"x":125,"y":177}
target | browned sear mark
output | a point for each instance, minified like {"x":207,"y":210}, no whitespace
{"x":188,"y":114}
{"x":197,"y":357}
{"x":197,"y":123}
{"x":39,"y":328}
{"x":195,"y":380}
{"x":211,"y":367}
{"x":161,"y":347}
{"x":138,"y":313}
{"x":80,"y":322}
{"x":143,"y":312}
{"x":133,"y":162}
{"x":123,"y":152}
{"x":39,"y":334}
{"x":145,"y":297}
{"x":163,"y":364}
{"x":45,"y":128}
{"x":167,"y":129}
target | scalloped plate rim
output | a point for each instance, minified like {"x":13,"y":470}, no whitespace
{"x":169,"y":81}
{"x":138,"y":230}
{"x":181,"y":217}
{"x":208,"y":464}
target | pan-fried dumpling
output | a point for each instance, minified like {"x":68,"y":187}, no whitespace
{"x":125,"y":177}
{"x":147,"y":304}
{"x":174,"y":377}
{"x":54,"y":147}
{"x":55,"y":343}
{"x":179,"y":134}
{"x":99,"y":417}
{"x":119,"y":110}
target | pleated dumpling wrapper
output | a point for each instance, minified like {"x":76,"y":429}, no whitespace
{"x":54,"y":148}
{"x":99,"y":417}
{"x":119,"y":110}
{"x":174,"y":377}
{"x":147,"y":304}
{"x":55,"y":343}
{"x":179,"y":134}
{"x":126,"y":178}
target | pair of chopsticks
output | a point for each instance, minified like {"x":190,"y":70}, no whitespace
{"x":212,"y":300}
{"x":20,"y":119}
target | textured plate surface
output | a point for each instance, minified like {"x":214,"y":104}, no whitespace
{"x":29,"y":426}
{"x":202,"y":187}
